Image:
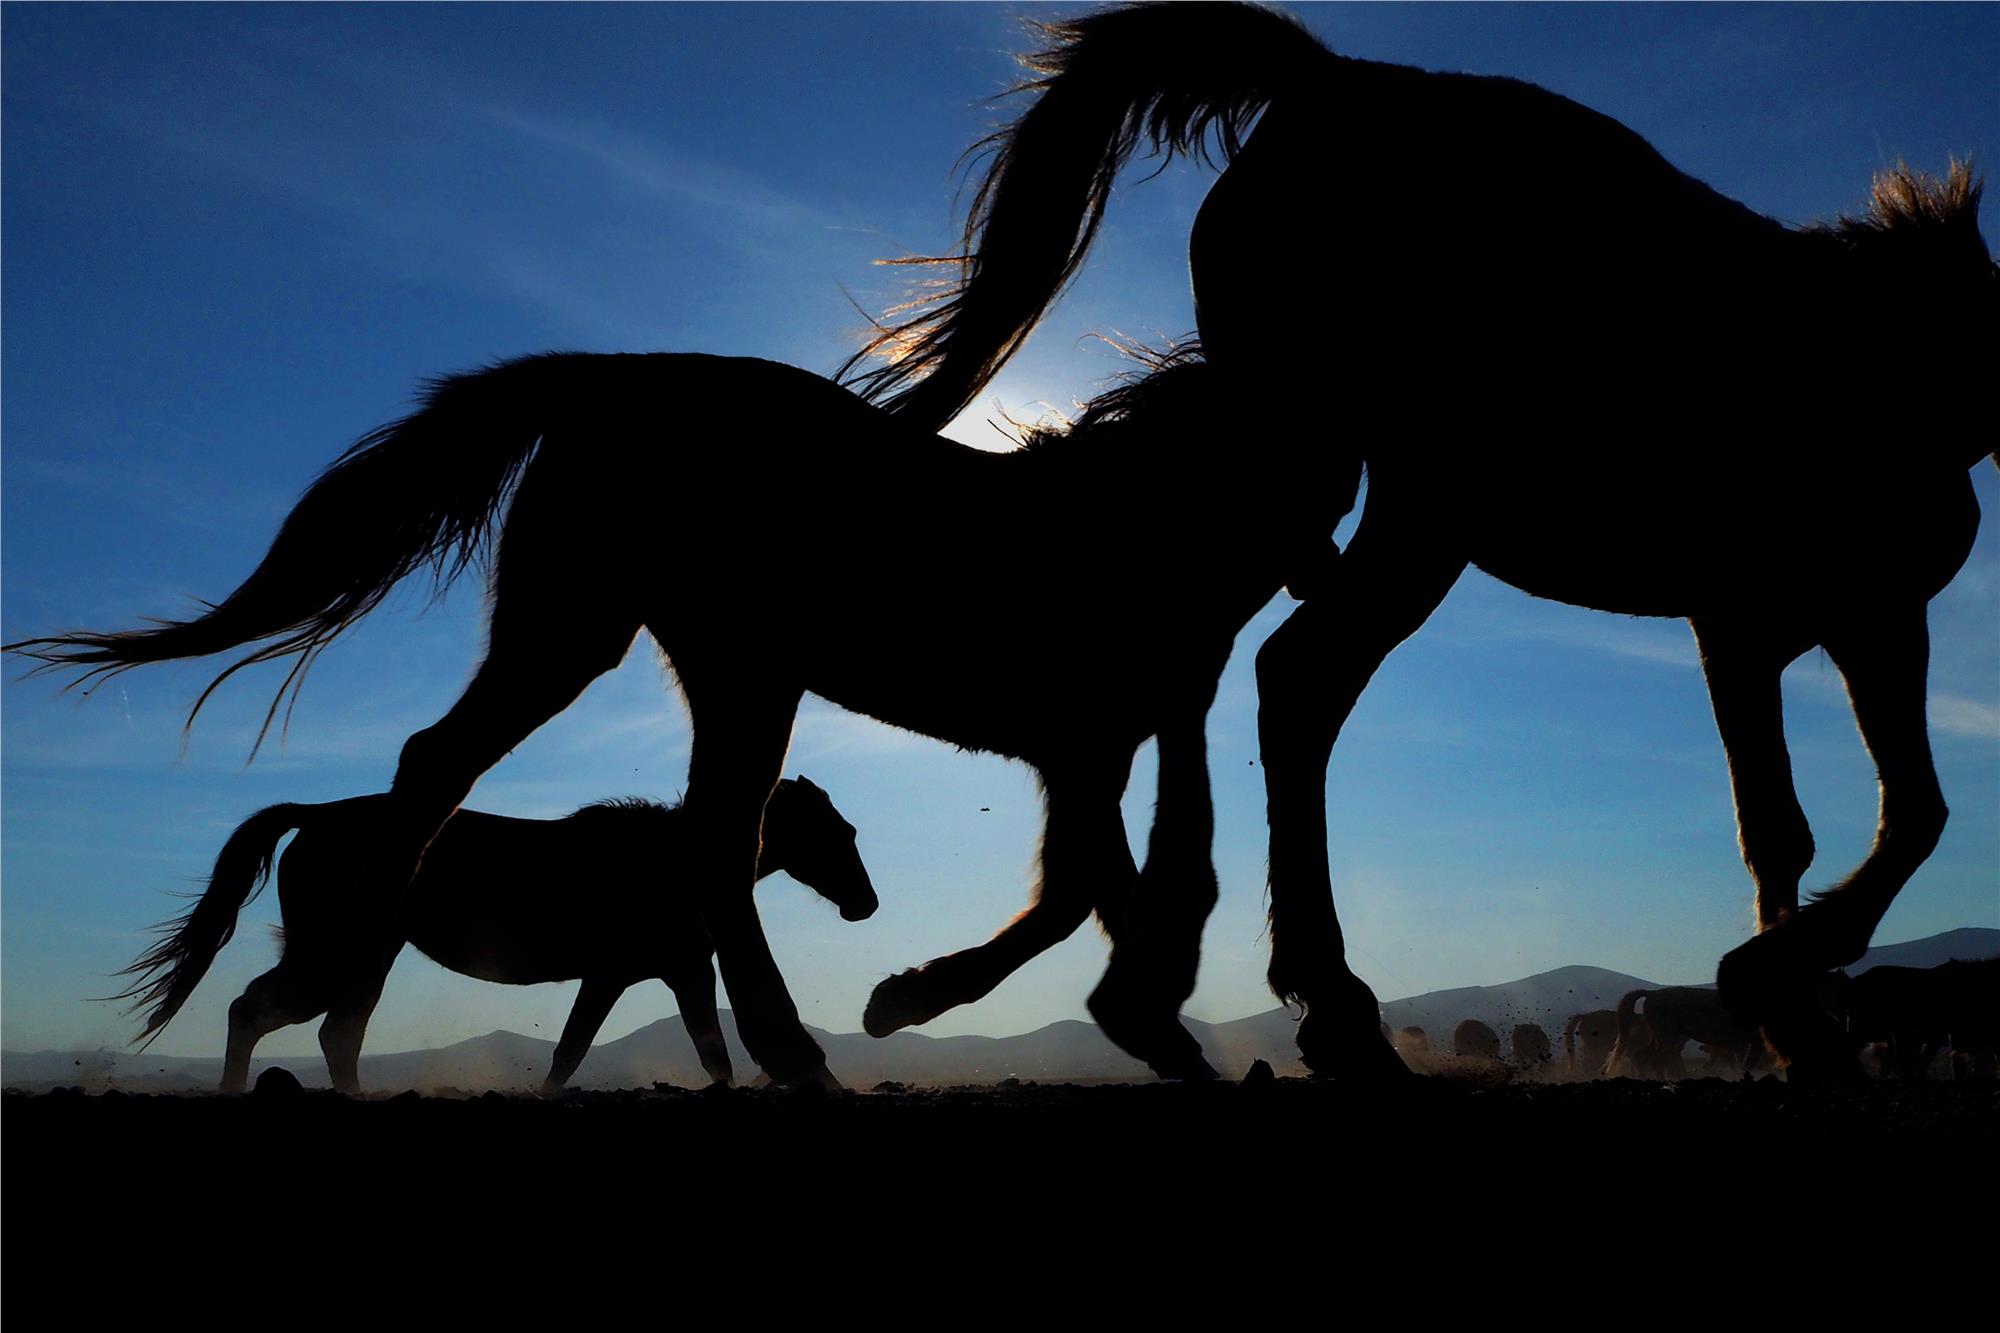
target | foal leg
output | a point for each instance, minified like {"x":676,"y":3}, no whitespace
{"x":1085,"y":860}
{"x":586,"y":1016}
{"x":1157,"y":952}
{"x":1309,"y":675}
{"x":1769,"y":980}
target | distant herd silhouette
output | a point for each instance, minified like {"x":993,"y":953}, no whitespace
{"x":1632,"y":394}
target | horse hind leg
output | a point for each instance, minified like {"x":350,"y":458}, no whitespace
{"x":346,"y":1025}
{"x":1768,"y":980}
{"x":289,"y":993}
{"x":594,"y":1000}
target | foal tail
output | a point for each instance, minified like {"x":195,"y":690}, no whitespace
{"x":425,"y":490}
{"x":1167,"y":73}
{"x":169,"y":971}
{"x":1569,"y":1040}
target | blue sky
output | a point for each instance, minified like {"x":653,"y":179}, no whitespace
{"x":235,"y":238}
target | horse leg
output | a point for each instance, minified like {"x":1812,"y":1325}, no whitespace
{"x":742,"y":728}
{"x":1742,"y":666}
{"x":1157,"y":951}
{"x":1769,"y":979}
{"x":586,"y":1016}
{"x":285,"y":995}
{"x":1309,"y":675}
{"x":694,"y":989}
{"x":1085,"y":860}
{"x":346,"y":1024}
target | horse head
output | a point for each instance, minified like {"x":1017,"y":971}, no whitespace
{"x":807,"y":838}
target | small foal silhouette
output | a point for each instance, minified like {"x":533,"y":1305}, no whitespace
{"x":517,"y":901}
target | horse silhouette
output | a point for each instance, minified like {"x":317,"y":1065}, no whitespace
{"x":1655,"y":1026}
{"x":1530,"y":1045}
{"x":1598,"y":1031}
{"x":517,"y":901}
{"x":1919,"y":1011}
{"x":1631,"y":394}
{"x":1059,"y":604}
{"x":1474,"y":1040}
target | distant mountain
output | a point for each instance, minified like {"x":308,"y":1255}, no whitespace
{"x":1966,"y":942}
{"x":1069,"y":1051}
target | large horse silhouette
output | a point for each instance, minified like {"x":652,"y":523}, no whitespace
{"x":1060,"y":604}
{"x":1559,"y":359}
{"x":517,"y":901}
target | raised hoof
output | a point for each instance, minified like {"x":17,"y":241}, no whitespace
{"x":899,"y":1002}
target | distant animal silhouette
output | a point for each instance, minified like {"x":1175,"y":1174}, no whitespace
{"x":1632,"y":394}
{"x":518,"y":901}
{"x":1651,"y":1041}
{"x":1919,"y":1012}
{"x":1059,"y":604}
{"x":1474,"y":1040}
{"x":1598,"y":1031}
{"x":1530,"y":1045}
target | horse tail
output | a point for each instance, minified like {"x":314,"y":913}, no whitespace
{"x":169,"y":971}
{"x":425,"y":490}
{"x":1167,"y":73}
{"x":1628,"y":1012}
{"x":1569,"y":1040}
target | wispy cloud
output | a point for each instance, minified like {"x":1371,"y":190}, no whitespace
{"x":1971,"y":719}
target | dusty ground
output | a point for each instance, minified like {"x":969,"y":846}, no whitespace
{"x":1555,"y":1171}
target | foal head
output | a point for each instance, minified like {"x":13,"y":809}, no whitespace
{"x":805,"y":837}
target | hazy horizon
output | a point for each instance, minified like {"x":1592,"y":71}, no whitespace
{"x":236,"y":238}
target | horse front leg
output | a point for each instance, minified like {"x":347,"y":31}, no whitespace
{"x":1769,"y":980}
{"x":1156,"y":951}
{"x":742,"y":728}
{"x":1310,"y":673}
{"x":1086,"y":863}
{"x":1743,"y":665}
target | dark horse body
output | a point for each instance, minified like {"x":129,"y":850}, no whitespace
{"x":515,"y":901}
{"x":1059,"y":604}
{"x":1560,"y":359}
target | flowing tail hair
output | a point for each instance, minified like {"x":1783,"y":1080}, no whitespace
{"x":1170,"y":74}
{"x":168,"y":972}
{"x":425,"y":490}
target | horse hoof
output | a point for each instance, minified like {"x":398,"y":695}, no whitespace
{"x":1757,"y":975}
{"x":898,"y":1002}
{"x":1361,"y":1056}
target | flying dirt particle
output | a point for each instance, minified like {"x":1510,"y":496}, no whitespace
{"x":985,"y":809}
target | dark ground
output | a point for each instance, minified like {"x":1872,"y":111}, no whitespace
{"x":1302,"y":1173}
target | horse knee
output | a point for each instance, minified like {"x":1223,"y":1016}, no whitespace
{"x":1914,"y":825}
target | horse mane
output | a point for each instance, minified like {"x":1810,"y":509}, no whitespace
{"x":1908,"y":209}
{"x":1167,"y":377}
{"x":623,"y":805}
